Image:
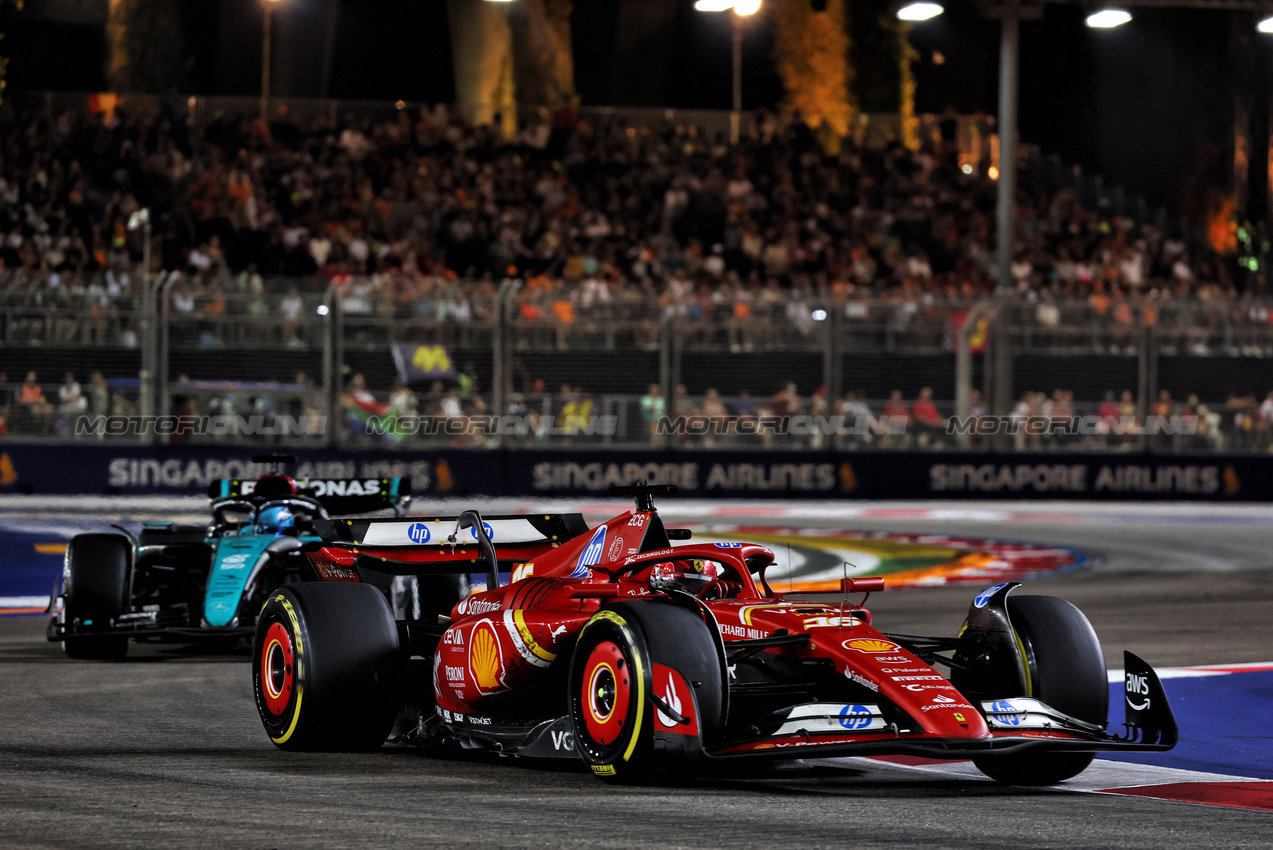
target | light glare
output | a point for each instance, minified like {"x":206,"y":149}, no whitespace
{"x":919,"y":11}
{"x":746,"y":7}
{"x":714,"y":5}
{"x":1265,"y":25}
{"x":1108,"y":18}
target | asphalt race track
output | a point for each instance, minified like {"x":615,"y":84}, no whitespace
{"x":165,"y":747}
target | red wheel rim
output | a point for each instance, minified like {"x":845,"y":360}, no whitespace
{"x":276,"y":668}
{"x":607,"y":693}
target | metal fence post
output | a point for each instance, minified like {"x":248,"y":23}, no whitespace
{"x":1142,"y":368}
{"x":161,"y":391}
{"x":331,"y":368}
{"x":502,"y":366}
{"x":149,"y":347}
{"x":669,"y":367}
{"x":336,"y":317}
{"x":831,"y":354}
{"x":963,"y":367}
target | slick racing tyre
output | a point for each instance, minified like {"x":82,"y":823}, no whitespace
{"x":95,"y":592}
{"x":327,"y":670}
{"x":611,"y":685}
{"x":1065,"y":668}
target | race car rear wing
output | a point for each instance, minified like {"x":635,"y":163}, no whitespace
{"x":449,"y":544}
{"x":431,"y":532}
{"x":336,"y":495}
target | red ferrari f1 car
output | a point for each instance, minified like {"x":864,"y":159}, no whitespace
{"x":612,"y":645}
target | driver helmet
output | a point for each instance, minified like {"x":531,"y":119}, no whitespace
{"x":278,"y":520}
{"x":692,"y":576}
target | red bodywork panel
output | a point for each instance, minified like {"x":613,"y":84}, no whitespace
{"x":504,"y":639}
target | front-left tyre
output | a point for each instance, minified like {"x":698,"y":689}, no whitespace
{"x":95,"y":593}
{"x":327,"y":668}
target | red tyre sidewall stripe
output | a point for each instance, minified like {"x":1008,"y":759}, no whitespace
{"x":605,"y":662}
{"x":277,"y":637}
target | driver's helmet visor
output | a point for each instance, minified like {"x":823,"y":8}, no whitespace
{"x":276,"y":520}
{"x":692,"y":576}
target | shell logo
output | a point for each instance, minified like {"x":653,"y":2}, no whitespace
{"x":871,"y":645}
{"x":485,"y":662}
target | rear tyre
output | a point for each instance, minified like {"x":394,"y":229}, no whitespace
{"x":327,"y":669}
{"x":611,"y":684}
{"x":1066,"y":670}
{"x":95,"y":593}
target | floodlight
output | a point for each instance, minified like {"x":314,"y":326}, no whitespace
{"x":919,"y":11}
{"x":1108,"y":18}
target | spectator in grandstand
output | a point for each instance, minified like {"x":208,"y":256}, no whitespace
{"x":717,"y":416}
{"x":785,"y":402}
{"x":402,"y":402}
{"x":1264,"y":423}
{"x":898,"y":414}
{"x":37,"y":413}
{"x":289,"y":309}
{"x":896,"y":407}
{"x":70,"y":399}
{"x":413,"y":195}
{"x":928,"y":423}
{"x":6,"y":399}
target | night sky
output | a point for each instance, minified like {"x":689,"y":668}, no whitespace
{"x":1149,"y":105}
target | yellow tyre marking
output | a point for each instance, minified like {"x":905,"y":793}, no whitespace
{"x":269,"y":685}
{"x":298,"y":669}
{"x":1025,"y":664}
{"x":592,"y":692}
{"x":296,"y":716}
{"x":638,"y":675}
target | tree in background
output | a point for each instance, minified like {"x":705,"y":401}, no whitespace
{"x":906,"y":87}
{"x":812,"y":57}
{"x":881,"y":56}
{"x":7,"y":7}
{"x":146,"y":49}
{"x":506,"y":56}
{"x":543,"y":64}
{"x":482,"y":56}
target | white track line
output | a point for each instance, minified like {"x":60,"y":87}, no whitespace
{"x":24,"y":601}
{"x":1103,"y":775}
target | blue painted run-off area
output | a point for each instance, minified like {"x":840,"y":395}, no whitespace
{"x":27,"y":572}
{"x":1224,"y":724}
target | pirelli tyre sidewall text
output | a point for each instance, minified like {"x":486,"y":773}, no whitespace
{"x":610,"y":680}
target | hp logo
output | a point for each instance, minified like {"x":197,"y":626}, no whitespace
{"x":855,"y":717}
